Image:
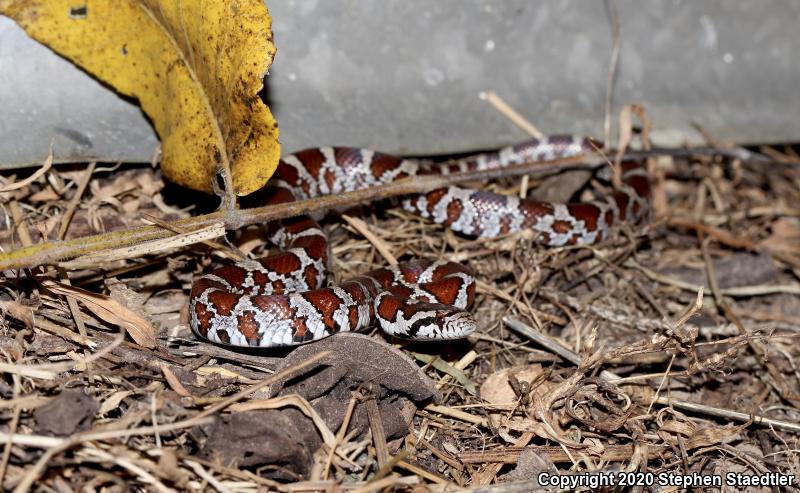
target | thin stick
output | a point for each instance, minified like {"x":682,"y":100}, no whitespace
{"x":371,"y":237}
{"x":12,"y":427}
{"x":545,"y":341}
{"x":723,"y":237}
{"x":274,"y":378}
{"x":58,"y":445}
{"x":348,"y":414}
{"x":198,"y":469}
{"x":612,"y":68}
{"x":195,"y":420}
{"x":506,"y":110}
{"x":145,"y":248}
{"x":736,"y":292}
{"x":217,"y":246}
{"x":48,"y":163}
{"x":66,"y":219}
{"x":489,"y":472}
{"x":572,"y":357}
{"x":22,"y":227}
{"x":144,"y":476}
{"x":510,"y":455}
{"x":455,"y":413}
{"x":52,"y":252}
{"x":727,"y":413}
{"x":378,"y":432}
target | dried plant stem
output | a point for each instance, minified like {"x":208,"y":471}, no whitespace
{"x":524,"y":329}
{"x":612,"y":67}
{"x":66,"y":218}
{"x":510,"y":455}
{"x":506,"y":110}
{"x":56,"y":445}
{"x":12,"y":428}
{"x":48,"y":163}
{"x":55,"y":251}
{"x":52,"y":252}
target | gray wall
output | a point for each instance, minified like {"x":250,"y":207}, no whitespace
{"x":404,"y":76}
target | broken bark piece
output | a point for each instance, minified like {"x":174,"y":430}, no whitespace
{"x":358,"y":361}
{"x":282,"y":442}
{"x":69,"y":412}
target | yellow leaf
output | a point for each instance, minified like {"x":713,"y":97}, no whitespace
{"x":195,"y":67}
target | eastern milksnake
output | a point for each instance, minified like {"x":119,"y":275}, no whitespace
{"x":280,"y":300}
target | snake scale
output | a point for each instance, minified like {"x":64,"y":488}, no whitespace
{"x":282,"y":299}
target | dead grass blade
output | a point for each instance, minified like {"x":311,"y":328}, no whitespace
{"x":111,"y":311}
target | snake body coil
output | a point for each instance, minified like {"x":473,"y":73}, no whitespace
{"x":281,"y":299}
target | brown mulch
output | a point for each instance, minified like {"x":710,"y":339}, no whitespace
{"x":607,"y":358}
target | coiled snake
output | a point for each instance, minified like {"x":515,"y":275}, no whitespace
{"x":281,"y":300}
